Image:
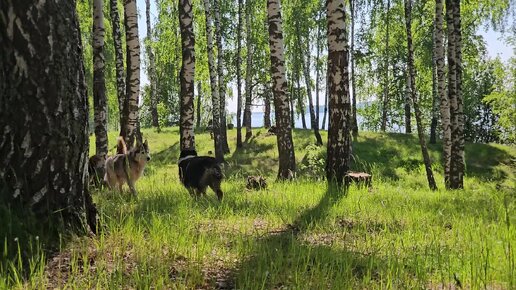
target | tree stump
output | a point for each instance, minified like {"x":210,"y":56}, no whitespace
{"x":360,"y":178}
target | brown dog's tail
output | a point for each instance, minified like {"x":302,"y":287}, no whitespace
{"x":121,"y":148}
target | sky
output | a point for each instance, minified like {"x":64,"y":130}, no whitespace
{"x":495,"y":46}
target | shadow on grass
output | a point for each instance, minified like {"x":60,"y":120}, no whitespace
{"x":169,"y":155}
{"x":390,"y":151}
{"x":251,"y":159}
{"x":482,"y":161}
{"x":283,"y":259}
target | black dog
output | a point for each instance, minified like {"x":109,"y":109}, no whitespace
{"x":198,"y":172}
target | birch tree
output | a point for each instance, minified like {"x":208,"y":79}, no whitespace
{"x":219,"y":152}
{"x":129,"y":126}
{"x":119,"y":58}
{"x":151,"y":70}
{"x":220,"y":72}
{"x":99,"y":82}
{"x":287,"y":161}
{"x":411,"y":86}
{"x":187,"y":76}
{"x":44,"y":106}
{"x":339,"y":139}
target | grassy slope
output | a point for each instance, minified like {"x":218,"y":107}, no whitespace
{"x":301,"y":234}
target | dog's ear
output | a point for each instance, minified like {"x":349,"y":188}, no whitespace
{"x":146,"y":143}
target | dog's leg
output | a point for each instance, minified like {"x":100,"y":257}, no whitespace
{"x":192,"y":193}
{"x":216,"y":188}
{"x":202,"y":191}
{"x":131,"y":187}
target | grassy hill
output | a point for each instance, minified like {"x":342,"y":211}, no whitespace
{"x":301,"y":234}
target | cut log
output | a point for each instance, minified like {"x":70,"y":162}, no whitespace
{"x":360,"y":178}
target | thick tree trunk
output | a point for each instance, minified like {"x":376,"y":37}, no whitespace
{"x":222,"y":85}
{"x":456,"y":102}
{"x":199,"y":97}
{"x":435,"y":95}
{"x":339,"y":138}
{"x":239,"y":75}
{"x":99,"y":83}
{"x":385,"y":106}
{"x":308,"y":82}
{"x":219,"y":152}
{"x":151,"y":70}
{"x":187,"y":75}
{"x":248,"y":74}
{"x":267,"y":112}
{"x":44,"y":107}
{"x":441,"y":90}
{"x":119,"y":59}
{"x":130,"y":126}
{"x":412,"y":92}
{"x":353,"y":87}
{"x":287,"y":160}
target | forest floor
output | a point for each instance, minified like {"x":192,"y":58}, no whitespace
{"x":301,"y":234}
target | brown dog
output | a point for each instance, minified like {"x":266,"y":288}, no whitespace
{"x":126,"y":167}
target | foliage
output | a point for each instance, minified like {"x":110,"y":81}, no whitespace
{"x":502,"y":99}
{"x":313,"y":163}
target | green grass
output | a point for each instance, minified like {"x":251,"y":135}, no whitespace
{"x":301,"y":234}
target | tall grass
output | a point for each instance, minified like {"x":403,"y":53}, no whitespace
{"x":300,"y":234}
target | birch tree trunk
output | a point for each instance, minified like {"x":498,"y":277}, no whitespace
{"x":267,"y":111}
{"x":219,"y":152}
{"x":222,"y":85}
{"x":456,"y":108}
{"x":239,"y":76}
{"x":248,"y":74}
{"x":44,"y":107}
{"x":99,"y":82}
{"x":291,"y":98}
{"x":308,"y":82}
{"x":199,"y":97}
{"x":385,"y":106}
{"x":299,"y":98}
{"x":353,"y":87}
{"x":151,"y":70}
{"x":408,"y":95}
{"x":187,"y":75}
{"x":317,"y":70}
{"x":412,"y":92}
{"x":119,"y":58}
{"x":287,"y":161}
{"x":452,"y":89}
{"x":435,"y":95}
{"x":130,"y":125}
{"x":441,"y":90}
{"x":339,"y":139}
{"x":325,"y":105}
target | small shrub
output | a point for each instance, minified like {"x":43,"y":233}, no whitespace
{"x":313,"y":164}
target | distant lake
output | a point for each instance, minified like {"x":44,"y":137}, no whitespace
{"x":257,"y":119}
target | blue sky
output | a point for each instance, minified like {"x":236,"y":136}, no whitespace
{"x":495,"y":44}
